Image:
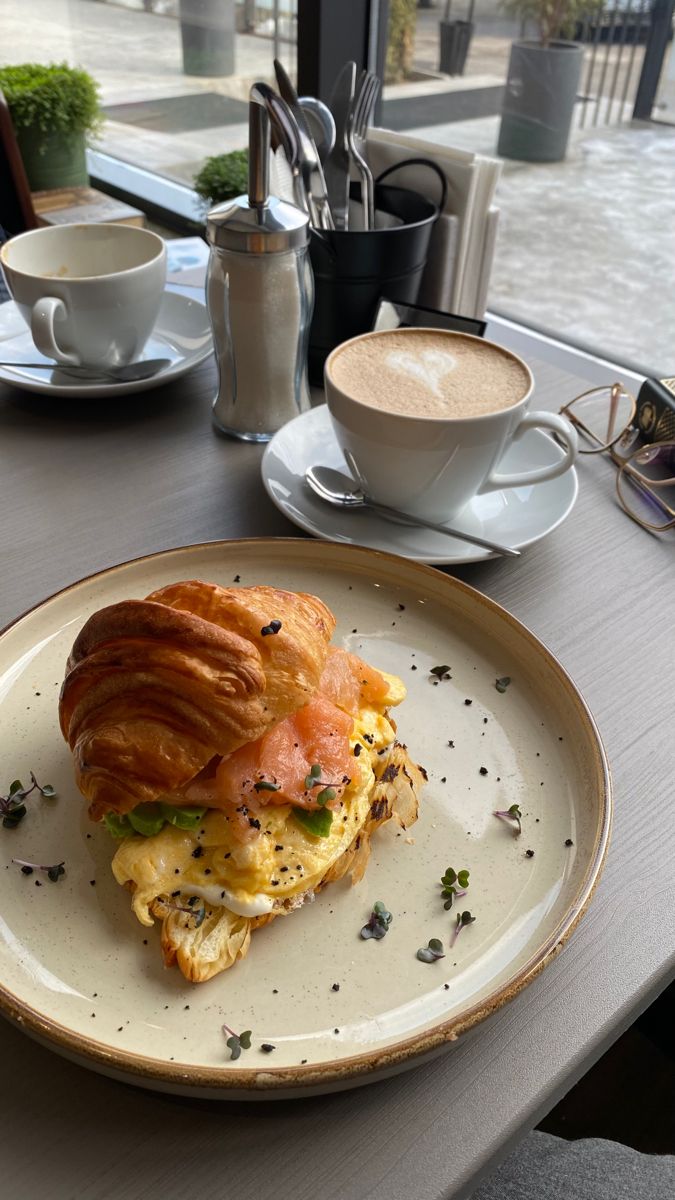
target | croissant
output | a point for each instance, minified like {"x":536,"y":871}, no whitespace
{"x":243,"y":762}
{"x":155,"y":688}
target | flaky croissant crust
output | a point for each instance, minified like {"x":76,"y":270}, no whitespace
{"x":155,"y":688}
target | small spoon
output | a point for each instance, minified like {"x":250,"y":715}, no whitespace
{"x":336,"y":488}
{"x":129,"y":373}
{"x":321,"y":124}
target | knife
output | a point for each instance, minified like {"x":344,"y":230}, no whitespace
{"x":312,"y":171}
{"x":336,"y":166}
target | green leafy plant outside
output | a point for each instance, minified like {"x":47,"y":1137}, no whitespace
{"x":53,"y":98}
{"x":555,"y":19}
{"x":223,"y":177}
{"x":400,"y":39}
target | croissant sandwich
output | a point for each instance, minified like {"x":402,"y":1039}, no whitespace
{"x":243,"y":762}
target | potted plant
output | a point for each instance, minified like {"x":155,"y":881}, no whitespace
{"x":53,"y":108}
{"x":542,"y":82}
{"x":223,"y":177}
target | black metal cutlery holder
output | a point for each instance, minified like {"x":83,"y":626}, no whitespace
{"x":355,"y":269}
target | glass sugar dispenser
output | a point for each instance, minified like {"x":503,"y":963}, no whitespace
{"x":259,"y":293}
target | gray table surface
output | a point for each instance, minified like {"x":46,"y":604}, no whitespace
{"x":86,"y":485}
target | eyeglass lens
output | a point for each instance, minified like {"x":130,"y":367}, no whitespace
{"x":601,"y":416}
{"x":646,"y":485}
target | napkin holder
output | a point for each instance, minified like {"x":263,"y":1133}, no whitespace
{"x":461,"y":251}
{"x":354,"y":268}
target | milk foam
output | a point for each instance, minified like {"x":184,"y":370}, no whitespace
{"x":428,"y":368}
{"x":419,"y":372}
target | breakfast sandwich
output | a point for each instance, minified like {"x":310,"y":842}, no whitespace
{"x":242,"y":761}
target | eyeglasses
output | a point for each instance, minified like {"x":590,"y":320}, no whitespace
{"x":645,"y":482}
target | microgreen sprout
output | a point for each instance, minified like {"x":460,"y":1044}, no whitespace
{"x":450,"y":892}
{"x":378,"y":922}
{"x":328,"y":790}
{"x":237,"y":1041}
{"x":462,"y":919}
{"x":431,"y":952}
{"x":54,"y":872}
{"x":12,"y":807}
{"x":264,"y":786}
{"x":196,"y":912}
{"x":512,"y":814}
{"x":502,"y":684}
{"x":314,"y":776}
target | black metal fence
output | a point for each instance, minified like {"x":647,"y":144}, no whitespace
{"x":614,"y":40}
{"x":624,"y":50}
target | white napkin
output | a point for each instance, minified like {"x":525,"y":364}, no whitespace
{"x":11,"y":321}
{"x":383,"y":220}
{"x":437,"y":285}
{"x":489,"y":242}
{"x":452,"y":283}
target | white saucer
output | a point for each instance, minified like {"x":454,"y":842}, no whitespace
{"x":182,"y":334}
{"x":515,"y":517}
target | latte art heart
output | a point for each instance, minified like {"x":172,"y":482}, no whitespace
{"x":430,"y":367}
{"x":429,"y":373}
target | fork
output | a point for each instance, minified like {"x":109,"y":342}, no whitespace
{"x":366,"y":95}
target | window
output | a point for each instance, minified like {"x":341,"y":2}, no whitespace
{"x":585,"y":247}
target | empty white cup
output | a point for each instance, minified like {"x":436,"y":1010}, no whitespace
{"x":90,"y":294}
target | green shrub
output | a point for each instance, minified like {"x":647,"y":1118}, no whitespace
{"x":554,"y":18}
{"x":400,"y":39}
{"x":223,"y":177}
{"x":52,"y":97}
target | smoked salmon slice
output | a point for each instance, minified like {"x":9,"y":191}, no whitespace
{"x":350,"y":683}
{"x":276,"y":768}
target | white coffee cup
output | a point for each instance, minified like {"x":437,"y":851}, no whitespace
{"x":429,"y":437}
{"x":90,"y":294}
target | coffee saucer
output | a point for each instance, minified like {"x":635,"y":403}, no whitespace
{"x":516,"y":517}
{"x":182,"y":334}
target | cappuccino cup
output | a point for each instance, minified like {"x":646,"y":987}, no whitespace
{"x":424,"y":417}
{"x":90,"y":294}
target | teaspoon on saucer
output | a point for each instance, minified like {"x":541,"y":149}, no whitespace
{"x":128,"y":373}
{"x":340,"y":490}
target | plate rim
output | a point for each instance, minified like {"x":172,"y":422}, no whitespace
{"x":265,"y":1083}
{"x":475,"y":555}
{"x":97,"y":391}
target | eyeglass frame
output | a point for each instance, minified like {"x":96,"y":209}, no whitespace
{"x":615,"y":390}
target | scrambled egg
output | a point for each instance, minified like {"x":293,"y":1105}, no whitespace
{"x":277,"y":870}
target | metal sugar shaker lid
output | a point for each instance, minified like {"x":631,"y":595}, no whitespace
{"x":257,"y":223}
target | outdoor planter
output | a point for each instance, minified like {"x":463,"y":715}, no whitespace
{"x":454,"y":41}
{"x":53,"y":108}
{"x":53,"y":160}
{"x":207,"y":30}
{"x":541,"y":88}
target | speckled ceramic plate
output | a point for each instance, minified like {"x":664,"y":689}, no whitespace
{"x":80,"y":974}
